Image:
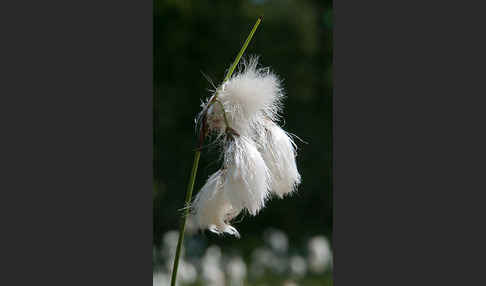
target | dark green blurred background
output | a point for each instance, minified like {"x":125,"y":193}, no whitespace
{"x":295,"y":40}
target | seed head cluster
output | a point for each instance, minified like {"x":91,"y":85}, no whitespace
{"x":258,"y":155}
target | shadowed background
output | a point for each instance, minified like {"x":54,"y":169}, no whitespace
{"x":295,"y":40}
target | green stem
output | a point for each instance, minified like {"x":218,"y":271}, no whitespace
{"x":195,"y":164}
{"x":240,"y":54}
{"x":190,"y":187}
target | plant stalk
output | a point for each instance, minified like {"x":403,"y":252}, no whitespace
{"x":190,"y":187}
{"x":240,"y":54}
{"x":195,"y":164}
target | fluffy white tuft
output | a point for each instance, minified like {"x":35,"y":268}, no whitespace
{"x":211,"y":209}
{"x":247,"y":177}
{"x":243,"y":183}
{"x":251,"y":94}
{"x":278,"y":151}
{"x":259,"y":156}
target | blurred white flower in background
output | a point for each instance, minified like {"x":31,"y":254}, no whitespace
{"x":273,"y":257}
{"x":279,"y":244}
{"x":279,"y":264}
{"x":264,"y":259}
{"x":169,"y":244}
{"x":160,"y":279}
{"x":298,"y":266}
{"x":319,"y":254}
{"x":277,"y":240}
{"x":236,"y":269}
{"x":211,"y":267}
{"x":290,"y":283}
{"x":256,"y":271}
{"x":261,"y":258}
{"x":187,"y":272}
{"x":191,"y":226}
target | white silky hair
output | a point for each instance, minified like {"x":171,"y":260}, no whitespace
{"x":243,"y":183}
{"x":247,"y":178}
{"x":251,"y":94}
{"x":279,"y":152}
{"x":258,"y":155}
{"x":211,"y":209}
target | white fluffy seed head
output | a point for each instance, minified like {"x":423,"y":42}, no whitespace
{"x":259,"y":157}
{"x":211,"y":208}
{"x":243,"y":183}
{"x":247,"y":177}
{"x":249,"y":95}
{"x":278,"y":151}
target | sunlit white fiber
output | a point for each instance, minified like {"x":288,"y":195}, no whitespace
{"x":258,"y":156}
{"x":212,"y":209}
{"x":278,"y":151}
{"x":247,"y":177}
{"x":251,"y":94}
{"x":242,"y":183}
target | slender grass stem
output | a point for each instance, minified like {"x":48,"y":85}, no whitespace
{"x":240,"y":54}
{"x":195,"y":164}
{"x":190,"y":187}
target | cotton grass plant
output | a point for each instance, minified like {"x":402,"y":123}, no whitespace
{"x":258,"y":157}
